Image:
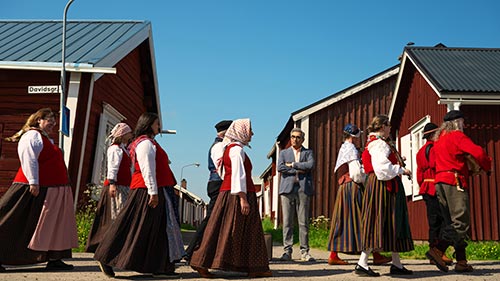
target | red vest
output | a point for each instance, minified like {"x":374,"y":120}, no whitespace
{"x":124,"y":175}
{"x":367,"y":158}
{"x":226,"y":183}
{"x":367,"y":163}
{"x":51,"y":167}
{"x":164,"y":176}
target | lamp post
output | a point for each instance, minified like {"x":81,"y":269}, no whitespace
{"x":62,"y":96}
{"x":192,"y":164}
{"x":181,"y":201}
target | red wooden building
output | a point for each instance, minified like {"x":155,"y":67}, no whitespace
{"x":111,"y":77}
{"x":432,"y":81}
{"x":322,"y":123}
{"x":428,"y":82}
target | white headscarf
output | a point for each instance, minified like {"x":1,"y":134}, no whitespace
{"x":240,"y":130}
{"x":347,"y":153}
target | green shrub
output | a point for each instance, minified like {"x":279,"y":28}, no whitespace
{"x":85,"y":217}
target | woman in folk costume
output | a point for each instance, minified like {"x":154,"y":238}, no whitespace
{"x":37,"y":220}
{"x":116,"y":186}
{"x":346,"y":218}
{"x":385,"y":225}
{"x":234,"y":239}
{"x":145,"y":237}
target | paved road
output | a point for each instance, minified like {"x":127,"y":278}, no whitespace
{"x":86,"y":269}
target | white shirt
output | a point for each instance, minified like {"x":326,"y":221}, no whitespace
{"x":145,"y":154}
{"x":216,"y":154}
{"x":115,"y":155}
{"x":356,"y":172}
{"x":382,"y":166}
{"x":238,"y":174}
{"x":29,"y":147}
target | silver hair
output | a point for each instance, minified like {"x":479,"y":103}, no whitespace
{"x":448,"y":126}
{"x":297,"y":130}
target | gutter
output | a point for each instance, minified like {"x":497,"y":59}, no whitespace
{"x":56,"y":66}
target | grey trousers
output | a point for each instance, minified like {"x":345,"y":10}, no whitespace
{"x":456,"y":214}
{"x":292,"y":204}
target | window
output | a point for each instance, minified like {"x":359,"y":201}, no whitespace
{"x":416,"y":132}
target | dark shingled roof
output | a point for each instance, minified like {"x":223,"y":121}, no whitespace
{"x":455,"y":70}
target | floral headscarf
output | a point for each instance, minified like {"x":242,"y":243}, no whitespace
{"x":240,"y":130}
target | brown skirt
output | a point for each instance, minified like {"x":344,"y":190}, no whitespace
{"x":103,"y":216}
{"x":19,"y":215}
{"x":137,"y":239}
{"x":385,"y":224}
{"x":346,"y":219}
{"x":232,"y":241}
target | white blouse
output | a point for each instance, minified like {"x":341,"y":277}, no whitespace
{"x":238,"y":174}
{"x":29,"y":147}
{"x":115,"y":155}
{"x":145,"y":153}
{"x":382,"y":166}
{"x":216,"y":154}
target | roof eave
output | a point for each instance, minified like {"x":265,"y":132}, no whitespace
{"x":56,"y":66}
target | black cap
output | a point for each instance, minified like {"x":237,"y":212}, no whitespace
{"x":429,"y":130}
{"x":223,"y":125}
{"x":452,"y":115}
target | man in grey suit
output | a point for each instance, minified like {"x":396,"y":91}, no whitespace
{"x":296,"y":188}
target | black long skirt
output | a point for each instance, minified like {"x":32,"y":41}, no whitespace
{"x":137,"y":240}
{"x":19,"y":215}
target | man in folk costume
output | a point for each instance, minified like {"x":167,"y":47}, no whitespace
{"x":346,"y":218}
{"x":426,"y":171}
{"x":452,"y":148}
{"x":214,"y":182}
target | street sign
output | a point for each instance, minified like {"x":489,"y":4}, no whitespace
{"x":44,"y":89}
{"x":65,"y":121}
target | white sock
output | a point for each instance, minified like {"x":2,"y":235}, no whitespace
{"x":396,"y":261}
{"x":363,"y":259}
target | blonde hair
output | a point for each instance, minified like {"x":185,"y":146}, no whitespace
{"x":377,"y":123}
{"x":32,"y":122}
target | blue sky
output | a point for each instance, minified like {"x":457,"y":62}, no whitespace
{"x":264,"y":59}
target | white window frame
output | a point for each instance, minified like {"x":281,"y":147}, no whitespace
{"x":417,"y":141}
{"x":109,"y":118}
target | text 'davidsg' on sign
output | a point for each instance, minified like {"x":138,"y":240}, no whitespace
{"x":44,"y":89}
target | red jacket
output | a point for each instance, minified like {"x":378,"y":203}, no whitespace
{"x":450,"y":151}
{"x":426,"y":169}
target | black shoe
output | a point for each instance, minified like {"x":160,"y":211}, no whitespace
{"x":106,"y":269}
{"x":400,"y":271}
{"x":366,"y":272}
{"x":58,"y":265}
{"x":2,"y":269}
